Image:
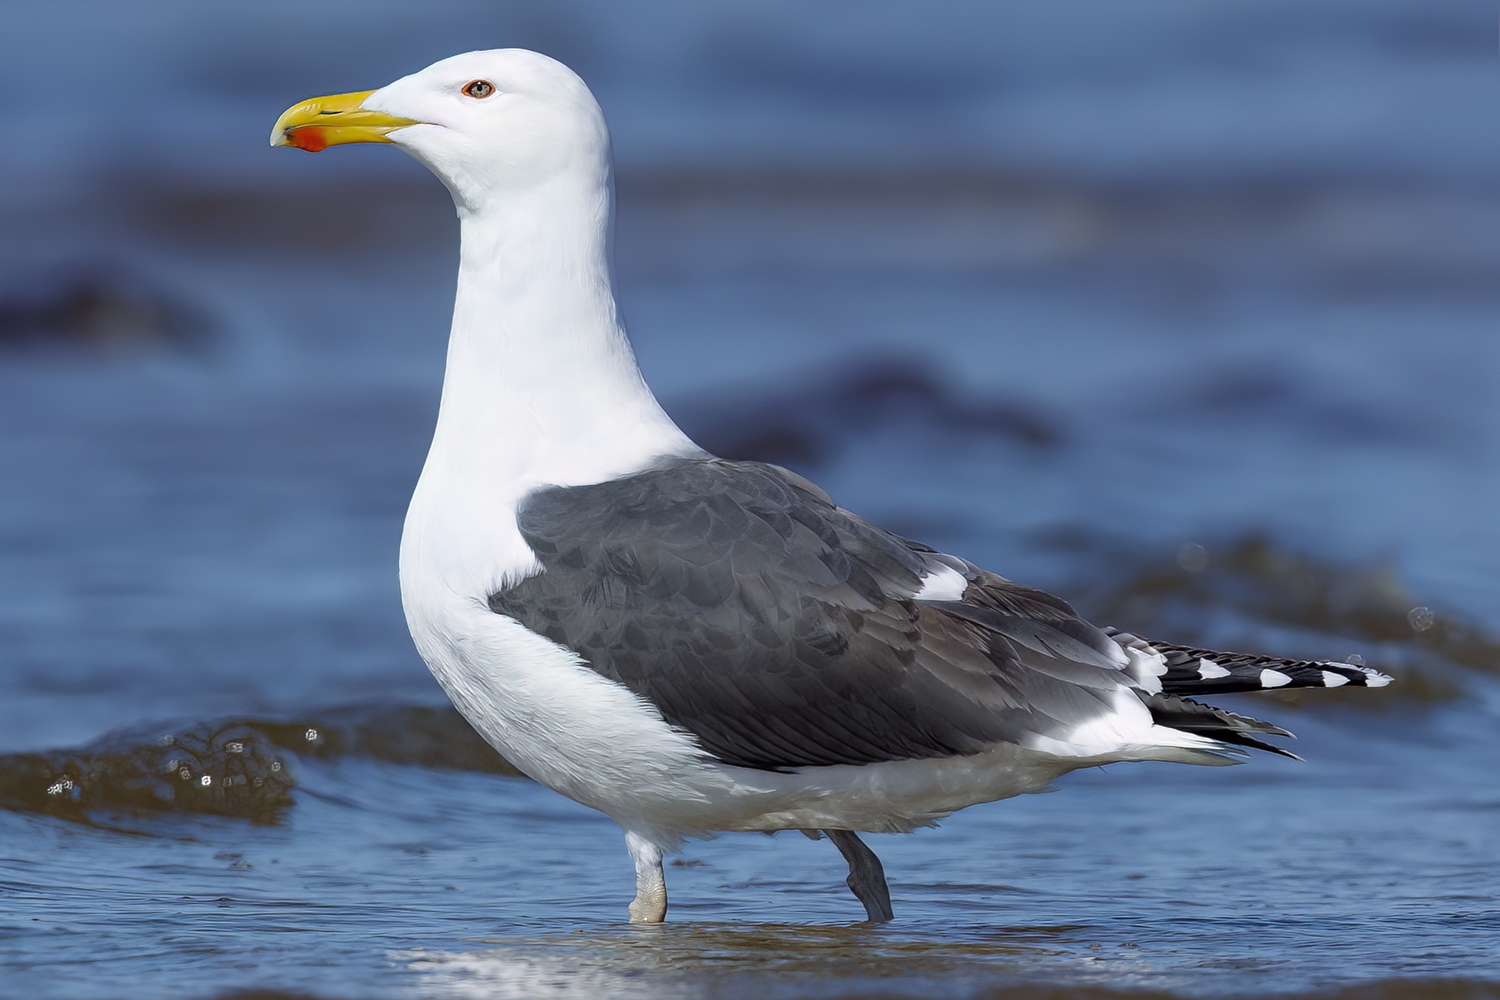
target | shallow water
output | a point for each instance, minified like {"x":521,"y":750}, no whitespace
{"x":1199,"y":334}
{"x":1371,"y":861}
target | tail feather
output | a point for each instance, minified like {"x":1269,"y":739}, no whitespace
{"x":1189,"y":670}
{"x":1215,"y":723}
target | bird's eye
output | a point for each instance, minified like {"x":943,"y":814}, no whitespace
{"x":479,"y":89}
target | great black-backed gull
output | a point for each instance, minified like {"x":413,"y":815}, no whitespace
{"x":685,"y":643}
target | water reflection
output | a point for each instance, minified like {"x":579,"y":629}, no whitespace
{"x":698,"y":959}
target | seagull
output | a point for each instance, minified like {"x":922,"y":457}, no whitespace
{"x":692,"y":645}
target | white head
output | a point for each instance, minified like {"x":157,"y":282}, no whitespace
{"x":538,"y":362}
{"x":486,"y":123}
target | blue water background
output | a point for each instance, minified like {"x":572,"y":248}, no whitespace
{"x":1237,"y":260}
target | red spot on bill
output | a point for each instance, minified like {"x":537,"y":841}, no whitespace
{"x":309,"y":137}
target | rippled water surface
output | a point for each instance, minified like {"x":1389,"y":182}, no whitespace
{"x":1185,"y":313}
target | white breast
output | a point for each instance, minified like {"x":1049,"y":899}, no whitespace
{"x":548,"y":713}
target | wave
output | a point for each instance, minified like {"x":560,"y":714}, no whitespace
{"x":808,"y":423}
{"x":99,"y":307}
{"x":232,"y":767}
{"x":1384,"y":989}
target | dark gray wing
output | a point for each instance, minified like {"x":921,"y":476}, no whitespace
{"x":782,"y":631}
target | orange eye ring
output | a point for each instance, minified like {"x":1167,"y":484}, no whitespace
{"x":479,"y":89}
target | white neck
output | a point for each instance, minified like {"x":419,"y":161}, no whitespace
{"x":541,"y":386}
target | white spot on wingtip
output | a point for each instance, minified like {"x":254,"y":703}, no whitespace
{"x":1209,"y":670}
{"x":1375,"y":679}
{"x":1333,"y":680}
{"x":1274,"y":678}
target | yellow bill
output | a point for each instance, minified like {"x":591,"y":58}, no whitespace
{"x":333,"y":121}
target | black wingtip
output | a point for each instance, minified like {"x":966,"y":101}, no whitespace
{"x":1190,"y":670}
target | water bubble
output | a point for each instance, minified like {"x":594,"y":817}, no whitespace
{"x":1421,"y":618}
{"x":184,"y":774}
{"x":235,"y":747}
{"x":275,"y":765}
{"x":58,"y":787}
{"x":1192,"y":557}
{"x":311,"y":735}
{"x":205,"y":781}
{"x":1354,"y":660}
